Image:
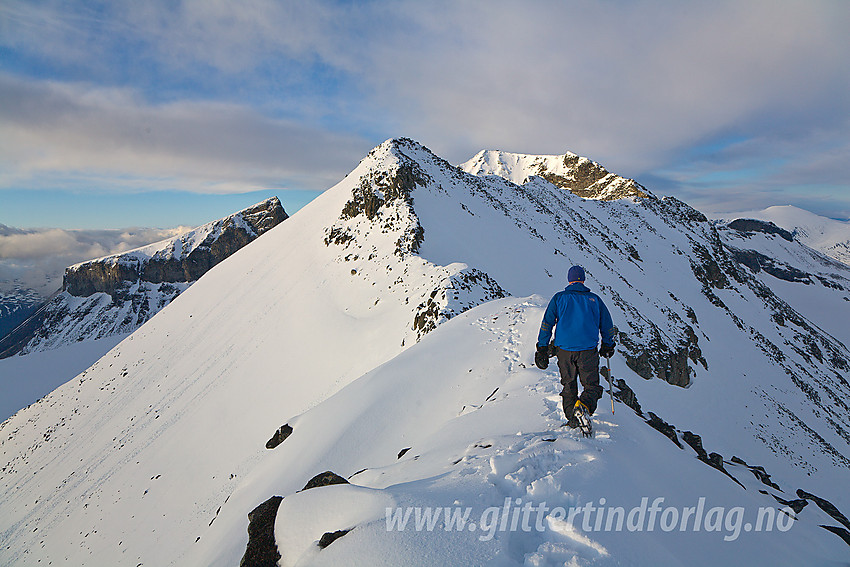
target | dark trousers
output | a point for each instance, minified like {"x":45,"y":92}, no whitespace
{"x":583,"y":364}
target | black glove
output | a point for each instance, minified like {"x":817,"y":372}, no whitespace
{"x":541,"y":357}
{"x":606,"y":350}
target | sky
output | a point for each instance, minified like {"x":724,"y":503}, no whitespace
{"x":177,"y":112}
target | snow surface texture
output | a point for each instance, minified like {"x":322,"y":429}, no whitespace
{"x":25,"y":379}
{"x":374,"y":321}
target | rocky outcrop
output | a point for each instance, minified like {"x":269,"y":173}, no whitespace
{"x":460,"y":292}
{"x":588,"y":179}
{"x":576,"y":174}
{"x":758,"y":262}
{"x":715,"y":460}
{"x":279,"y":436}
{"x":330,"y":537}
{"x":262,"y":550}
{"x":181,"y":259}
{"x":753,"y":225}
{"x":326,"y":478}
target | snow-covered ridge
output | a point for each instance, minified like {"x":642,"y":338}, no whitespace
{"x":582,"y":176}
{"x":372,"y":323}
{"x":829,"y":236}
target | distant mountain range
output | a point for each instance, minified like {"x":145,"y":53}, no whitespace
{"x":826,"y":235}
{"x":116,"y":294}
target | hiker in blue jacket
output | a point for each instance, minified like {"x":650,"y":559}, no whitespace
{"x":578,"y":317}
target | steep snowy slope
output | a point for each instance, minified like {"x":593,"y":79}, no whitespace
{"x":163,"y":440}
{"x":117,"y":294}
{"x":829,"y":236}
{"x":461,"y":426}
{"x":264,"y":335}
{"x":25,"y":379}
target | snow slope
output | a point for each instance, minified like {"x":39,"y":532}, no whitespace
{"x":25,"y":379}
{"x":367,"y":322}
{"x":829,"y":236}
{"x":815,"y":284}
{"x":483,"y":426}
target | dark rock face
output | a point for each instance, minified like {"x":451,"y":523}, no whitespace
{"x":93,"y":277}
{"x":626,"y":395}
{"x":796,"y":505}
{"x":840,"y":532}
{"x":444,"y":302}
{"x":663,"y":427}
{"x":834,"y":512}
{"x":758,"y":262}
{"x":588,"y":179}
{"x":758,"y":472}
{"x":826,"y":506}
{"x":326,"y":478}
{"x":384,"y":198}
{"x":279,"y":436}
{"x":656,"y":359}
{"x":330,"y":537}
{"x":229,"y":235}
{"x":262,"y":550}
{"x":753,"y":225}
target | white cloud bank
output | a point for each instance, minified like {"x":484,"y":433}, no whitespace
{"x":36,"y":259}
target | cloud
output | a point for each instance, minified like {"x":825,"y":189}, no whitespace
{"x":630,"y":84}
{"x":72,"y":128}
{"x":37,"y":259}
{"x":642,"y":87}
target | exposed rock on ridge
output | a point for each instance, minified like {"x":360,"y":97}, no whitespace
{"x":581,"y":176}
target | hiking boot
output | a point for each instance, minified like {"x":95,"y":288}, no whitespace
{"x":582,"y":415}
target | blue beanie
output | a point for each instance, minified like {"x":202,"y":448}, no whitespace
{"x":576,"y":274}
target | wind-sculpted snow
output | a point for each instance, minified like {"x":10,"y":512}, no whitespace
{"x":376,"y":324}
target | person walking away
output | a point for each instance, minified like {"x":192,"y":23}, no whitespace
{"x":578,"y":317}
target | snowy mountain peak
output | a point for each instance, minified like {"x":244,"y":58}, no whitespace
{"x":582,"y":176}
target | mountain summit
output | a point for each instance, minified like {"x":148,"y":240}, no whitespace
{"x":579,"y":175}
{"x":374,"y":353}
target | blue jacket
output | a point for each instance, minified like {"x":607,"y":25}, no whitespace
{"x":580,"y":317}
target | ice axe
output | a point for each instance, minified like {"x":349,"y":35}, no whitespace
{"x":609,"y":376}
